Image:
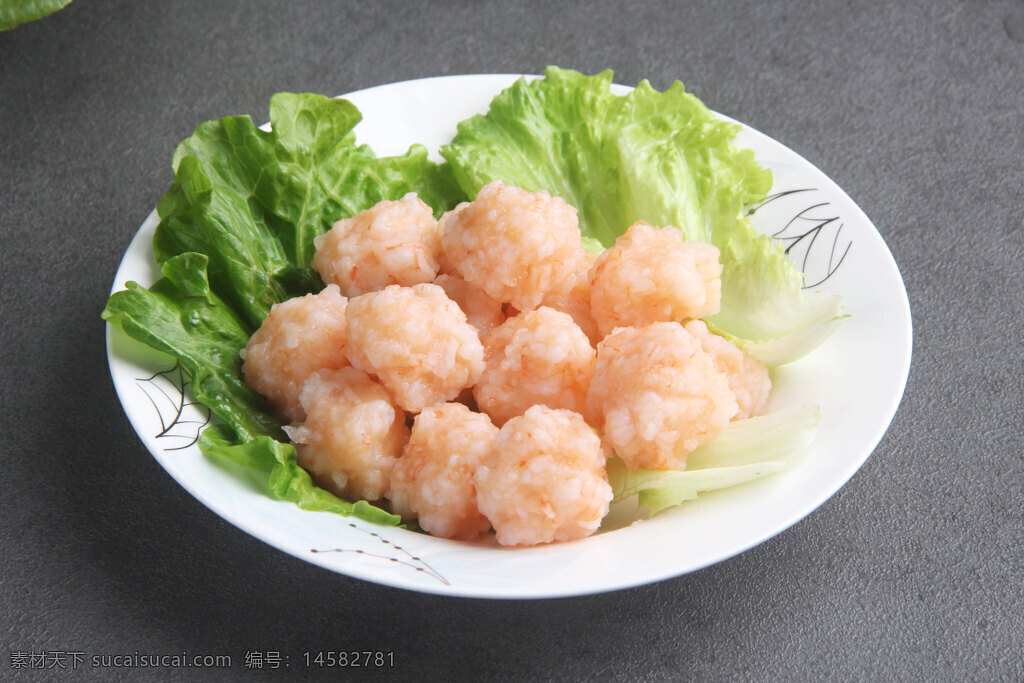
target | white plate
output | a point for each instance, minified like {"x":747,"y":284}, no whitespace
{"x":857,"y":377}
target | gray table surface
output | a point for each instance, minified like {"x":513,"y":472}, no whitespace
{"x":913,"y":570}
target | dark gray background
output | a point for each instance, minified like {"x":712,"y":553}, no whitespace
{"x":913,"y":570}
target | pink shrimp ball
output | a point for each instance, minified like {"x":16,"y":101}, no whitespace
{"x":537,"y":357}
{"x":652,"y":275}
{"x":416,"y":342}
{"x":352,"y":435}
{"x":298,"y":337}
{"x":748,"y":377}
{"x":393,"y":242}
{"x":482,"y":312}
{"x":515,"y":245}
{"x":434,"y":479}
{"x":545,"y":479}
{"x":656,"y":395}
{"x":575,"y":299}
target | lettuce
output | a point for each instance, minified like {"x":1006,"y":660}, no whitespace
{"x":286,"y":479}
{"x":746,"y":450}
{"x":236,"y":236}
{"x":661,"y":157}
{"x":252,"y":201}
{"x":181,"y":316}
{"x":17,"y":12}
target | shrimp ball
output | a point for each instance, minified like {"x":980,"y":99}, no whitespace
{"x":545,"y":479}
{"x":392,"y":242}
{"x":434,"y":478}
{"x":656,"y":395}
{"x":482,"y":312}
{"x":748,"y":377}
{"x":652,"y":275}
{"x":539,"y":356}
{"x":416,"y":342}
{"x":352,"y":435}
{"x":576,"y":299}
{"x":515,"y":245}
{"x":298,"y":337}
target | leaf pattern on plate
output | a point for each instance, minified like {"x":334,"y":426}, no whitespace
{"x":400,"y":556}
{"x":181,"y":420}
{"x":811,"y":233}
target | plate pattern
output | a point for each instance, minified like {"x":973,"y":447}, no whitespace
{"x":806,"y":217}
{"x":389,"y":552}
{"x":181,"y":419}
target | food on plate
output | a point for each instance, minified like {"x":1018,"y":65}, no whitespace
{"x":416,"y":342}
{"x":748,"y":378}
{"x":656,"y":395}
{"x":575,"y":300}
{"x":352,"y":434}
{"x":433,"y":481}
{"x":651,"y":275}
{"x":482,"y":312}
{"x":653,"y":391}
{"x":536,"y":357}
{"x":516,"y":245}
{"x":391,"y":243}
{"x":527,"y":197}
{"x":658,"y":156}
{"x":298,"y":337}
{"x":545,"y":479}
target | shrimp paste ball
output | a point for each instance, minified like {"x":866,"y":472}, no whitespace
{"x":539,"y":356}
{"x":352,"y":435}
{"x":651,"y":275}
{"x":298,"y":337}
{"x":433,"y":480}
{"x":748,"y":377}
{"x":656,"y":395}
{"x":393,"y":242}
{"x":576,"y":299}
{"x":482,"y":312}
{"x":545,"y":479}
{"x":515,"y":245}
{"x":416,"y":342}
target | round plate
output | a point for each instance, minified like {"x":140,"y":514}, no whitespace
{"x":856,"y":377}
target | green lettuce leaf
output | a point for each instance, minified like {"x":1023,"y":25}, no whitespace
{"x":17,"y":12}
{"x":236,"y":236}
{"x":765,"y":309}
{"x":253,"y":200}
{"x":661,"y":157}
{"x":180,"y":316}
{"x":286,"y":480}
{"x":746,"y":450}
